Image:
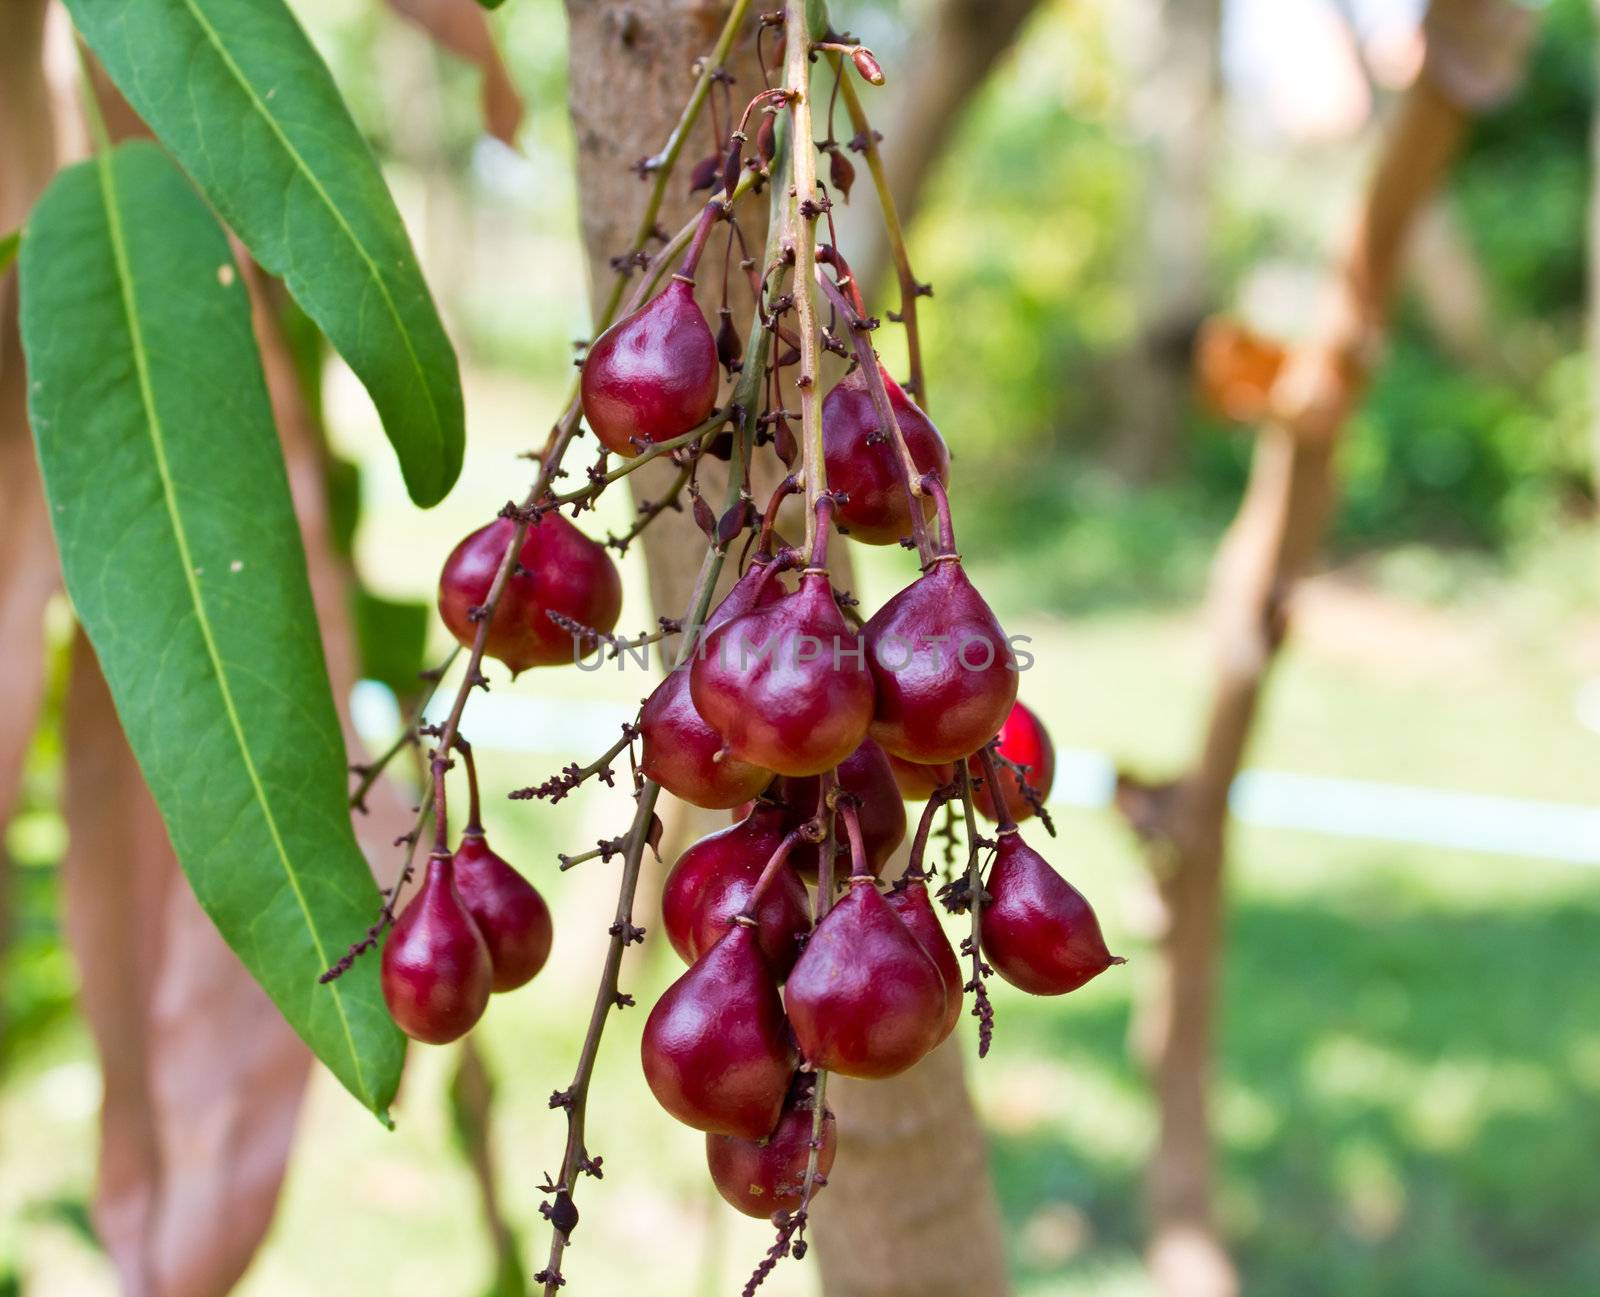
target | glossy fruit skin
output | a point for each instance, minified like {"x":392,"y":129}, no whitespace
{"x":909,"y":900}
{"x":509,"y":912}
{"x":1037,"y":929}
{"x":936,"y":701}
{"x":716,"y":1049}
{"x":436,"y":973}
{"x":760,"y":1177}
{"x":866,"y":775}
{"x":770,"y":684}
{"x":1023,"y":739}
{"x":865,"y":999}
{"x":683,"y":754}
{"x":866,"y":466}
{"x":652,"y":375}
{"x":712,"y":881}
{"x":679,"y":750}
{"x":562,"y":571}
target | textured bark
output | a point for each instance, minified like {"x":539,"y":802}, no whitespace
{"x":1270,"y":545}
{"x":905,"y":1143}
{"x":1176,"y":91}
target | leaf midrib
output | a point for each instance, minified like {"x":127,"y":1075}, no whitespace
{"x":119,"y":254}
{"x":304,"y":169}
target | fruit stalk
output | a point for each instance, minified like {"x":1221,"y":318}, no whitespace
{"x":981,"y":1008}
{"x":867,"y":358}
{"x":576,"y":1097}
{"x":910,"y":289}
{"x":372,"y":771}
{"x":800,"y":235}
{"x":776,"y":861}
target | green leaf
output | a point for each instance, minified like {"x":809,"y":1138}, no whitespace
{"x":9,"y":243}
{"x":817,"y":22}
{"x":490,"y":4}
{"x":178,"y":541}
{"x":391,"y":637}
{"x":237,"y":93}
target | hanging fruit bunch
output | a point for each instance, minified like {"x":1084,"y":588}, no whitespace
{"x":783,"y":706}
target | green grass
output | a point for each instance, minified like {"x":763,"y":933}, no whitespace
{"x":1408,"y":1094}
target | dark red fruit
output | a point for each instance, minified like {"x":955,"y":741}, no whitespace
{"x":775,"y":686}
{"x":865,"y":463}
{"x":759,"y":1177}
{"x":561,"y":570}
{"x":712,"y":882}
{"x":865,"y":999}
{"x":1024,"y":740}
{"x":1037,"y":929}
{"x":716,"y":1048}
{"x":866,"y":775}
{"x":679,"y":750}
{"x":944,"y":675}
{"x":910,"y":901}
{"x":652,"y":375}
{"x":509,"y":912}
{"x":436,"y":972}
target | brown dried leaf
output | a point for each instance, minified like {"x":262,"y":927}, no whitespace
{"x":203,"y":1078}
{"x":461,"y":27}
{"x":1235,"y":369}
{"x":28,"y":570}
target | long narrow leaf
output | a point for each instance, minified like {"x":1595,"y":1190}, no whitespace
{"x":178,"y":542}
{"x":239,"y":95}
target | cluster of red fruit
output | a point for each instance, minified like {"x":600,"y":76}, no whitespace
{"x":789,"y":740}
{"x":475,"y":926}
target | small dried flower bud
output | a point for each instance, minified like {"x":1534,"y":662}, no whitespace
{"x":730,"y":350}
{"x":842,"y":172}
{"x":732,"y":166}
{"x":704,"y":174}
{"x":733,"y":522}
{"x":766,"y":138}
{"x":868,"y":66}
{"x":704,"y":518}
{"x":784,"y":443}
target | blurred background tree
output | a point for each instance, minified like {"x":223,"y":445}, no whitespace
{"x":1393,"y":1119}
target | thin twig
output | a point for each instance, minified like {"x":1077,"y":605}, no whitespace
{"x":866,"y":143}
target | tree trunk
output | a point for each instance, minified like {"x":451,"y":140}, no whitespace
{"x":1271,"y":543}
{"x":911,"y":1155}
{"x":1176,"y":80}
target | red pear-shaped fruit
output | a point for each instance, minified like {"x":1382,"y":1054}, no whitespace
{"x":436,"y":972}
{"x":943,"y":671}
{"x":716,"y":1048}
{"x":652,"y":375}
{"x":909,"y":899}
{"x":864,"y":462}
{"x":760,"y":1177}
{"x":509,"y":912}
{"x":1037,"y":929}
{"x":559,"y":570}
{"x":1024,"y":740}
{"x":783,"y":684}
{"x":865,"y":999}
{"x":711,"y":884}
{"x":679,"y":750}
{"x":867,"y":776}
